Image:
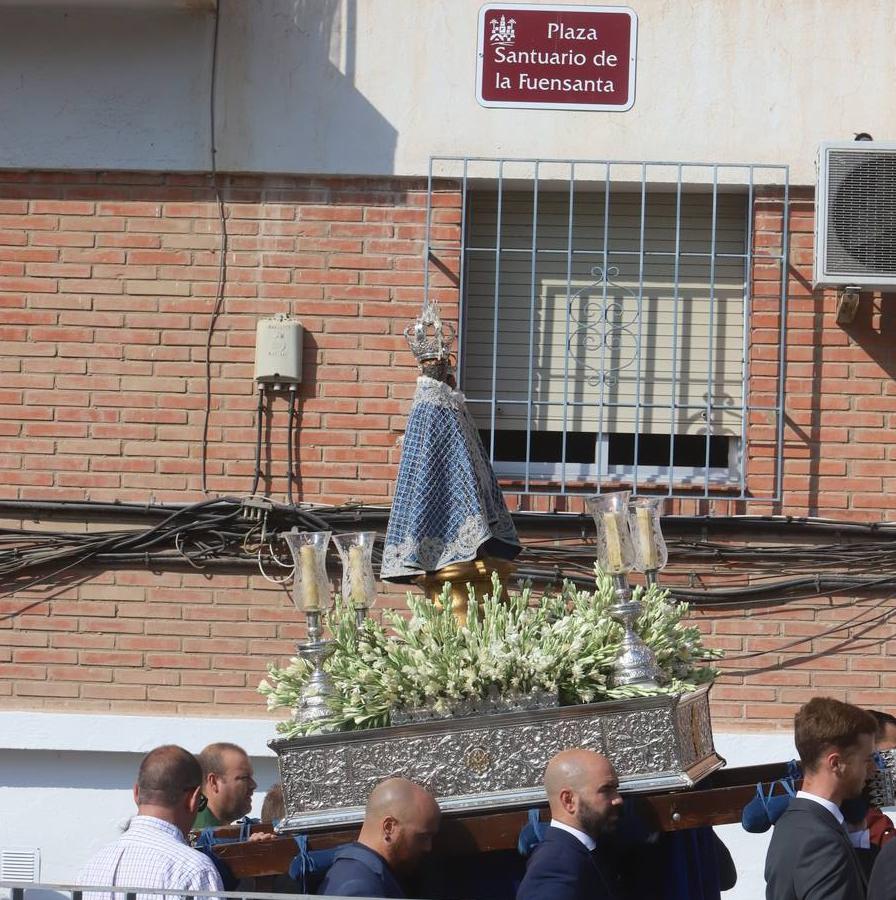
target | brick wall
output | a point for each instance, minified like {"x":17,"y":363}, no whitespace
{"x":107,"y":287}
{"x":840,"y":390}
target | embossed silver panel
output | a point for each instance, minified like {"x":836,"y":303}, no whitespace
{"x":496,"y":761}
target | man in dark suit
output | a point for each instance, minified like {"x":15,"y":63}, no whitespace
{"x":400,"y":821}
{"x":583,"y":793}
{"x":810,"y":856}
{"x":883,"y":875}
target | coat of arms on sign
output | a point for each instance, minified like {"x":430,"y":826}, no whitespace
{"x":503,"y":30}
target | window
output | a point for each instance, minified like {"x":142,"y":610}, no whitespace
{"x":604,"y":332}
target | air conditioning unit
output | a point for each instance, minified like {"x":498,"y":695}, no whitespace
{"x":855,"y":215}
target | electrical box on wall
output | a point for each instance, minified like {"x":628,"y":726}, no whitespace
{"x":278,"y":350}
{"x":855,"y":215}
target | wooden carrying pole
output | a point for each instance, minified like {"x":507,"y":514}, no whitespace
{"x":718,"y":800}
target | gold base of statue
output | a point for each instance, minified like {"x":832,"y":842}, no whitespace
{"x":476,"y":572}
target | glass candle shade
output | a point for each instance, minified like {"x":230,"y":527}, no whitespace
{"x":647,"y":535}
{"x":311,"y":587}
{"x":358,"y":581}
{"x":614,"y":543}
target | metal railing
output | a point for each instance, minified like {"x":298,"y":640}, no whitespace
{"x":748,"y":413}
{"x":14,"y":890}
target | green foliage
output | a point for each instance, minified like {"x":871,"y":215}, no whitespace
{"x":564,"y":644}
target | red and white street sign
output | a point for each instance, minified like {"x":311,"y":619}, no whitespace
{"x":556,"y":57}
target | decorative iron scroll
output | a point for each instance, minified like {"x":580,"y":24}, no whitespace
{"x":607,"y":327}
{"x":495,"y":761}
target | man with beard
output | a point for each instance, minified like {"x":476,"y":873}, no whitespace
{"x":583,"y":793}
{"x":400,"y":821}
{"x":810,"y":856}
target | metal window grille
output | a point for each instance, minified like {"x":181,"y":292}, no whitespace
{"x":605,"y":322}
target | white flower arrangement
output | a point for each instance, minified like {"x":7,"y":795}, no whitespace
{"x":563,"y":644}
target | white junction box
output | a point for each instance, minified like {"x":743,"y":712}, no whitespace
{"x":278,"y":350}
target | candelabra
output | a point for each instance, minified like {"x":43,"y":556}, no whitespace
{"x":311,"y":595}
{"x":651,"y":554}
{"x":636,"y":663}
{"x":358,"y":581}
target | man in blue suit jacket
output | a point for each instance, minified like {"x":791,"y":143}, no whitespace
{"x":583,"y":793}
{"x":400,"y":821}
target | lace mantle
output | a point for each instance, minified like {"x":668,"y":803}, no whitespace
{"x":447,"y":500}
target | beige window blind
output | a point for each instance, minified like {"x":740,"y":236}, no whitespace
{"x":606,"y":358}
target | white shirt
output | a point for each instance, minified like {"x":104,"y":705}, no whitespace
{"x":586,"y":839}
{"x":860,"y":839}
{"x":152,"y":853}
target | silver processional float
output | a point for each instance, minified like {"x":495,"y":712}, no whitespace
{"x":473,"y":693}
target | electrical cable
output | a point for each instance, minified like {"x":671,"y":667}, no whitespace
{"x":789,"y":663}
{"x":220,"y":529}
{"x":857,"y":619}
{"x":290,"y":432}
{"x":259,"y":425}
{"x":222,"y":260}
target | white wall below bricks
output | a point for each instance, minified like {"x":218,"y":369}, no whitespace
{"x":66,"y":780}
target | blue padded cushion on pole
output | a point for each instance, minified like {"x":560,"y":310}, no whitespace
{"x":306,"y":861}
{"x":532,"y":833}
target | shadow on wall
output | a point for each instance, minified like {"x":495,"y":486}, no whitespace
{"x":99,"y":87}
{"x":873,"y":331}
{"x":287,"y":100}
{"x":96,"y":87}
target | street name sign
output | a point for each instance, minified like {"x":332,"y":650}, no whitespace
{"x":556,"y":57}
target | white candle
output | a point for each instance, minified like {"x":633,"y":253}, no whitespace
{"x":310,"y":594}
{"x":356,"y":575}
{"x":645,"y":537}
{"x":614,"y":547}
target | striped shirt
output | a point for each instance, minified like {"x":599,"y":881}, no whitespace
{"x":152,"y":853}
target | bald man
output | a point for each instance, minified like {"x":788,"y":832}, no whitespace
{"x":400,"y":821}
{"x":583,"y":793}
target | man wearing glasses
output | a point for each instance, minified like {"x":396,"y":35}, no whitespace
{"x":153,"y":852}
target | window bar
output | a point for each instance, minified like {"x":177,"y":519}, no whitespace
{"x":603,"y":451}
{"x":531,"y":327}
{"x":572,"y":173}
{"x":462,"y":305}
{"x":495,"y":317}
{"x":782,"y":334}
{"x":676,"y":300}
{"x":638,"y":359}
{"x":427,"y":252}
{"x":710,"y":340}
{"x":745,"y":340}
{"x":619,"y":252}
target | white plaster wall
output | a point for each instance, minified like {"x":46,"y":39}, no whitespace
{"x":378,"y":86}
{"x":748,"y":850}
{"x":66,"y":780}
{"x":100,"y":86}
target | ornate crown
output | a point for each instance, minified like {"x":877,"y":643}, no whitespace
{"x":429,"y":337}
